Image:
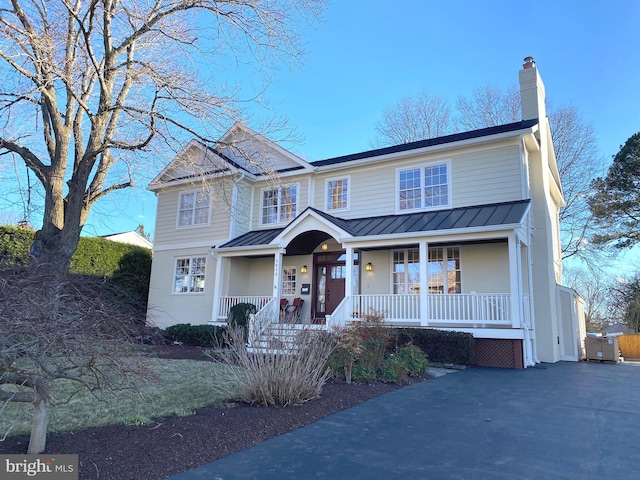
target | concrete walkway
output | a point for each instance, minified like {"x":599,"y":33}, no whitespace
{"x":559,"y":421}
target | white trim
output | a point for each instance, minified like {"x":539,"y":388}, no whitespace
{"x":295,"y":282}
{"x":452,"y":235}
{"x":431,"y":149}
{"x":186,"y":246}
{"x":516,"y":296}
{"x":189,"y":274}
{"x":424,"y":283}
{"x":421,"y":166}
{"x":253,"y":135}
{"x":279,"y":190}
{"x":326,"y":194}
{"x":209,"y":208}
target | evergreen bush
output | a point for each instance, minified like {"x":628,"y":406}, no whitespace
{"x":124,"y":264}
{"x":440,"y":346}
{"x":196,"y":335}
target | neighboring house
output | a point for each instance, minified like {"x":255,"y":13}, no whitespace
{"x":459,"y":232}
{"x":132,"y":238}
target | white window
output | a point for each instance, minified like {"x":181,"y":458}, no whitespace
{"x":193,"y":208}
{"x":279,"y":205}
{"x":424,"y":187}
{"x":289,"y":280}
{"x":338,"y":194}
{"x":189,"y":275}
{"x":443,"y":270}
{"x":406,"y":271}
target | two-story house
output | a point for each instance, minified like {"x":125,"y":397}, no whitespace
{"x":459,"y":232}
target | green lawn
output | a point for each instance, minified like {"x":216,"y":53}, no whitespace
{"x":185,"y":386}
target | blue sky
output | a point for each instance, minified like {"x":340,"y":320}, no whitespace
{"x":365,"y":55}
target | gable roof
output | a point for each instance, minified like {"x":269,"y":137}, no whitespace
{"x":430,"y":142}
{"x":506,"y":213}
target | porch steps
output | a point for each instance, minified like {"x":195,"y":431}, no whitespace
{"x":281,"y":338}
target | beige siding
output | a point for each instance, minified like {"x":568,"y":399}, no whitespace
{"x":303,"y":199}
{"x":167,"y":232}
{"x":379,"y":280}
{"x":489,"y":175}
{"x":242,"y":212}
{"x":485,"y":268}
{"x":167,"y":308}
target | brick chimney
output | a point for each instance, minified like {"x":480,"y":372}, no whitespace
{"x":531,"y":91}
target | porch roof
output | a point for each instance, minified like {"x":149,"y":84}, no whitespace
{"x":507,"y":213}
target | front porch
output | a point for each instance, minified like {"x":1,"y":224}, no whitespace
{"x":457,"y":311}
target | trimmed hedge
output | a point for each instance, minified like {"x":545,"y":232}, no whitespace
{"x":440,"y":346}
{"x":196,"y":335}
{"x":127,"y":265}
{"x":15,"y":243}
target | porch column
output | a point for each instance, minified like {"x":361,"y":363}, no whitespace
{"x":277,"y":274}
{"x":217,"y":286}
{"x":424,"y":283}
{"x":514,"y":281}
{"x":348,"y":286}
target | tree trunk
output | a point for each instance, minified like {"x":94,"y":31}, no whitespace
{"x":38,"y":438}
{"x":53,"y":248}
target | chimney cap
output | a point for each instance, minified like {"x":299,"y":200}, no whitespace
{"x":529,"y":62}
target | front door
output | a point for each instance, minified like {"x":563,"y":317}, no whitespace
{"x":330,"y":277}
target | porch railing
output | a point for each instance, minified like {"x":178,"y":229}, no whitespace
{"x":465,"y":309}
{"x":227,"y":302}
{"x":260,"y":321}
{"x":392,"y":307}
{"x":470,"y":308}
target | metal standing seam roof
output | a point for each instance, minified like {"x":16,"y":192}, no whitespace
{"x":506,"y":213}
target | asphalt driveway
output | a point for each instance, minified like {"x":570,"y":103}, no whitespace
{"x":559,"y":421}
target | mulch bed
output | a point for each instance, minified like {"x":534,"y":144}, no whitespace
{"x":172,"y":445}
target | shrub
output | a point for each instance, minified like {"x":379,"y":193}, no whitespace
{"x":15,"y":243}
{"x":442,"y":346}
{"x":239,"y":314}
{"x":286,"y":376}
{"x":413,"y":359}
{"x":375,"y":338}
{"x":196,"y":335}
{"x":394,"y":370}
{"x":124,"y":264}
{"x":364,"y":374}
{"x":360,"y":349}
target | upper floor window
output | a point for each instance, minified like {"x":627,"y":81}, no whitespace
{"x":279,"y":205}
{"x":189,"y":275}
{"x":424,"y":187}
{"x":193,"y":208}
{"x":338,"y":194}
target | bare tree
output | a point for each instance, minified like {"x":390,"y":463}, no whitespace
{"x":576,"y":149}
{"x":426,"y":115}
{"x":573,"y":139}
{"x":595,"y":289}
{"x":88,"y":88}
{"x":67,"y":329}
{"x":488,"y":106}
